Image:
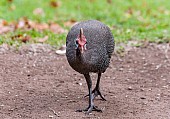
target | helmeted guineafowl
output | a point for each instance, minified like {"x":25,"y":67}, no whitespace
{"x":89,"y":47}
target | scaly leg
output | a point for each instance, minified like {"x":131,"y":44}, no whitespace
{"x":91,"y":106}
{"x":96,"y":90}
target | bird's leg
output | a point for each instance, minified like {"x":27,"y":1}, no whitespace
{"x":96,"y":90}
{"x":91,"y":106}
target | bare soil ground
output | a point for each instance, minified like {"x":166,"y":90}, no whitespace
{"x":35,"y":83}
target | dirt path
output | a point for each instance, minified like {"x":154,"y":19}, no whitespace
{"x":42,"y":85}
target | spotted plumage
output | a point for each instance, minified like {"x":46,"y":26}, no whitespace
{"x":89,"y":47}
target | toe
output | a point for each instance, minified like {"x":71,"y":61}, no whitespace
{"x":93,"y":108}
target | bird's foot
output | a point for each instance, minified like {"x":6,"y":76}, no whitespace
{"x":90,"y":109}
{"x":97,"y":92}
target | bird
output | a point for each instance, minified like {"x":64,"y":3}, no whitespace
{"x":89,"y":47}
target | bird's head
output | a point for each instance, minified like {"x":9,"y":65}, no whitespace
{"x":81,"y":41}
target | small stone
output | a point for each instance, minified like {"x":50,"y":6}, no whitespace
{"x":165,"y":86}
{"x":61,"y":51}
{"x":129,"y":88}
{"x":50,"y":116}
{"x":158,"y":66}
{"x":127,"y":79}
{"x":158,"y":98}
{"x":2,"y":105}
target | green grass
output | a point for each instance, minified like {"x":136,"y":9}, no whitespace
{"x":129,"y":19}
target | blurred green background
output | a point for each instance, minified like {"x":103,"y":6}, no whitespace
{"x":143,"y":20}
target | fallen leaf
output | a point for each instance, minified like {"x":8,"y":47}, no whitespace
{"x":42,"y":40}
{"x":21,"y":37}
{"x":39,"y":11}
{"x":38,"y":26}
{"x":109,"y":1}
{"x":42,"y":26}
{"x":129,"y":11}
{"x":25,"y":39}
{"x":56,"y":28}
{"x":16,"y":36}
{"x":5,"y":29}
{"x":70,"y":23}
{"x":4,"y":23}
{"x":21,"y":24}
{"x":10,"y":0}
{"x":54,"y":4}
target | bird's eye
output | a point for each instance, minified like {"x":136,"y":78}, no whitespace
{"x":76,"y":42}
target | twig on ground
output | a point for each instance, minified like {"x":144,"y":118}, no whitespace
{"x":54,"y":112}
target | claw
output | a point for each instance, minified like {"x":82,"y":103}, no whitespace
{"x":91,"y":95}
{"x":99,"y":93}
{"x":90,"y":109}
